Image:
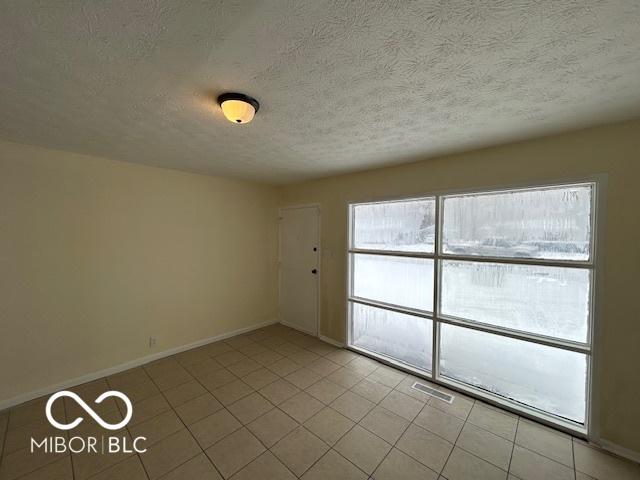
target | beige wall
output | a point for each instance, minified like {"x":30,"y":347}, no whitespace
{"x":96,"y":256}
{"x":611,"y":150}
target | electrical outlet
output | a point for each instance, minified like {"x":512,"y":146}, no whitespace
{"x":152,"y":342}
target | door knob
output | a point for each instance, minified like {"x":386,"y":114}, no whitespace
{"x":314,"y":271}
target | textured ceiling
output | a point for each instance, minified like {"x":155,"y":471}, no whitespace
{"x":343,"y":85}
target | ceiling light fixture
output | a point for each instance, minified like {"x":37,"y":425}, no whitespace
{"x":237,"y":107}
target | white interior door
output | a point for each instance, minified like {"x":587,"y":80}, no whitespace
{"x":299,"y":267}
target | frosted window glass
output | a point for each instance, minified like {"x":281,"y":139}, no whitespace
{"x":551,"y":301}
{"x":401,"y":226}
{"x":546,"y":378}
{"x":405,"y":338}
{"x":551,"y":223}
{"x":407,"y":282}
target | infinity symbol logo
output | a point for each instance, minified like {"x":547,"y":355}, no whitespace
{"x":89,"y":410}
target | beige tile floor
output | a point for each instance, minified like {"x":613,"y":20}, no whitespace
{"x":277,"y":404}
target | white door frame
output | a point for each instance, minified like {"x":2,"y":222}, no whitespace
{"x":319,"y":281}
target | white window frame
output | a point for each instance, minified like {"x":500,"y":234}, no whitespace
{"x":597,"y":184}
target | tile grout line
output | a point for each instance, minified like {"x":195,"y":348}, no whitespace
{"x":179,"y":465}
{"x":455,"y":442}
{"x":223,"y":407}
{"x":300,"y":424}
{"x":287,"y":466}
{"x":73,"y":473}
{"x":172,"y":408}
{"x":128,"y":430}
{"x":202,"y":450}
{"x":409,"y":423}
{"x":573,"y":455}
{"x":42,"y":467}
{"x":193,"y":378}
{"x":331,"y":447}
{"x":513,"y":442}
{"x":256,"y":391}
{"x":155,"y":416}
{"x":513,"y":447}
{"x":66,"y":417}
{"x":300,"y":348}
{"x":93,"y":475}
{"x":457,"y":438}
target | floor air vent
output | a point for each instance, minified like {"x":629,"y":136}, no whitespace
{"x":445,"y":397}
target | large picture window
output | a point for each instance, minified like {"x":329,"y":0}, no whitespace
{"x":487,"y":291}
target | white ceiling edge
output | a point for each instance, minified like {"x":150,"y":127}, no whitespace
{"x":550,"y":135}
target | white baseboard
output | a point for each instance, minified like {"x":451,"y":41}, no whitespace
{"x":295,"y":327}
{"x":620,"y":451}
{"x":328,"y":340}
{"x":12,"y":402}
{"x":331,"y":341}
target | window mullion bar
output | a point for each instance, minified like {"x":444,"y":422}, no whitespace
{"x":391,"y":307}
{"x":435,"y":349}
{"x":391,"y":253}
{"x":548,"y":341}
{"x":349,"y":286}
{"x":518,"y":261}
